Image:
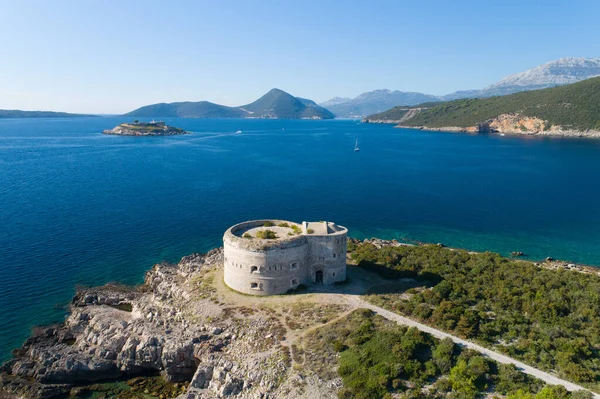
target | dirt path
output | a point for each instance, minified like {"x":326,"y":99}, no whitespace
{"x":358,"y":302}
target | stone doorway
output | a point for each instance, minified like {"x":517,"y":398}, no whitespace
{"x":319,"y":277}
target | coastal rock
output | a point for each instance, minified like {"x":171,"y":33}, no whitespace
{"x":168,"y":326}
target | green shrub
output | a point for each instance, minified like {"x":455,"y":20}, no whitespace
{"x":339,"y":346}
{"x":247,"y":235}
{"x":283,"y":224}
{"x":268,"y":223}
{"x":309,"y":231}
{"x":266,"y":234}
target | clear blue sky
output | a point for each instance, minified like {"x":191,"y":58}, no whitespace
{"x":112,"y":56}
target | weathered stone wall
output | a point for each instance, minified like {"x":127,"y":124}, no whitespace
{"x":274,"y":271}
{"x":268,"y":267}
{"x":327,"y":253}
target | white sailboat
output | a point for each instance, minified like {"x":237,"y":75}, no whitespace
{"x":356,"y":146}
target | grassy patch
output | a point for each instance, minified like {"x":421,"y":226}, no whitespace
{"x":266,"y":234}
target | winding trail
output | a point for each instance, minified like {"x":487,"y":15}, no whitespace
{"x":358,"y":302}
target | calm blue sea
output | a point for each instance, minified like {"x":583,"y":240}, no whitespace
{"x":81,"y":208}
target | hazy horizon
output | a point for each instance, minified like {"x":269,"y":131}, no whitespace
{"x":111,"y":57}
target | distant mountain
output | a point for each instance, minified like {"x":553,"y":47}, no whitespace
{"x":276,"y":104}
{"x":334,"y":101}
{"x":572,"y":110}
{"x":556,"y":73}
{"x":281,"y":105}
{"x":200,"y":109}
{"x":375,"y":101}
{"x":13,"y":113}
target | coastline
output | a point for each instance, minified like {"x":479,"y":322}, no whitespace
{"x":553,"y":132}
{"x":590,"y":134}
{"x":180,"y":316}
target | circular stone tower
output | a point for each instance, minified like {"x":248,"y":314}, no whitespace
{"x":267,"y":257}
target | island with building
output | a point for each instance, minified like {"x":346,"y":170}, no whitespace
{"x":137,"y":128}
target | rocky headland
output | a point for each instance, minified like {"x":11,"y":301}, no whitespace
{"x":145,"y":129}
{"x":512,"y":124}
{"x":182,"y":327}
{"x":183,"y":334}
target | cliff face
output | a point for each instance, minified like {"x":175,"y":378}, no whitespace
{"x":514,"y":123}
{"x":175,"y":325}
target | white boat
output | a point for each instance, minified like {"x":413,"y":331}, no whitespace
{"x":356,"y":146}
{"x":238,"y":132}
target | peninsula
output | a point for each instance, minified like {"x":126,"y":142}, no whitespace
{"x":417,"y":321}
{"x":571,"y":110}
{"x":145,"y":129}
{"x":15,"y":113}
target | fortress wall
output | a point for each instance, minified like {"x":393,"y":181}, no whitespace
{"x":328,"y":253}
{"x":268,"y":267}
{"x":268,"y":272}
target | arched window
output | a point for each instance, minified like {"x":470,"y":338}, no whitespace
{"x":253,"y":269}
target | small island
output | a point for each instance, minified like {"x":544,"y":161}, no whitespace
{"x":138,"y":128}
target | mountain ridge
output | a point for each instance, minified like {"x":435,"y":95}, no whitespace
{"x":559,"y":72}
{"x":275,"y":104}
{"x":375,"y":101}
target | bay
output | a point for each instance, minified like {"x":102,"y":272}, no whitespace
{"x":81,"y":208}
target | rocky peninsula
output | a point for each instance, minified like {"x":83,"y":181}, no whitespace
{"x":182,"y":327}
{"x":184,"y":334}
{"x":145,"y":129}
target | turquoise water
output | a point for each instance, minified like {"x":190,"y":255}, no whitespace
{"x":81,"y":208}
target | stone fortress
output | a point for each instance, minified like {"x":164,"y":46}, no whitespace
{"x":268,"y":257}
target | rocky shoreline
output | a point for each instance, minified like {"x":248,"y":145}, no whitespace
{"x":116,"y":332}
{"x":173,"y":327}
{"x":504,"y":124}
{"x":183,"y":334}
{"x":594,"y":134}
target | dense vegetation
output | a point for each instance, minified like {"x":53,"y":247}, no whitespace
{"x":13,"y":113}
{"x":575,"y":106}
{"x":275,"y":104}
{"x":378,"y":358}
{"x":547,"y":318}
